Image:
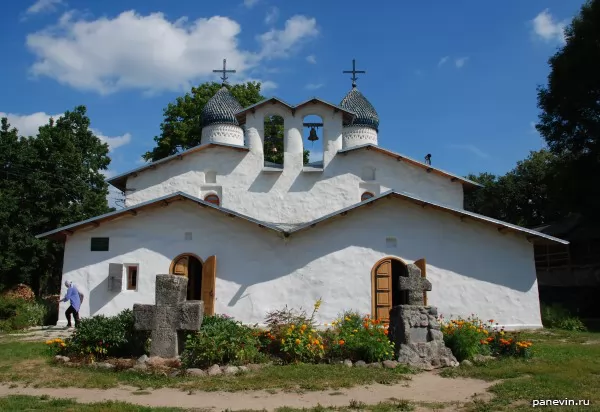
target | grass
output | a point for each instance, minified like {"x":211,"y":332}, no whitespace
{"x":47,"y":404}
{"x":565,"y":365}
{"x":28,"y":363}
{"x":44,"y":403}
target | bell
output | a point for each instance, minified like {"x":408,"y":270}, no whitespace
{"x":313,"y":135}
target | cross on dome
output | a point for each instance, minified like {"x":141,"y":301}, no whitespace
{"x":224,"y":71}
{"x":354,"y":72}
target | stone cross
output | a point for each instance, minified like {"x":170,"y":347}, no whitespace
{"x":171,"y":314}
{"x":415,"y":285}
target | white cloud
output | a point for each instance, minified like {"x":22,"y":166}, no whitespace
{"x":443,"y":61}
{"x":250,"y":3}
{"x":460,"y":62}
{"x":312,"y":59}
{"x":314,"y":86}
{"x":272,"y":15}
{"x":41,"y":6}
{"x":279,"y":43}
{"x":546,"y":28}
{"x":28,"y":125}
{"x":151,"y":53}
{"x":471,"y":148}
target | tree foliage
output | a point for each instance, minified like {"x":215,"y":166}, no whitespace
{"x":47,"y":181}
{"x":181,"y":128}
{"x":553,"y":182}
{"x":570,"y":109}
{"x":528,"y":195}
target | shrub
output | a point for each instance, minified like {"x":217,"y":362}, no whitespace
{"x":465,"y":337}
{"x":292,"y":336}
{"x":221,"y":340}
{"x":100,"y":336}
{"x":20,"y":291}
{"x":471,"y":336}
{"x":17,"y":313}
{"x":556,"y":316}
{"x":356,"y":338}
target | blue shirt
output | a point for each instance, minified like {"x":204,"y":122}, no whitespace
{"x":73,"y":297}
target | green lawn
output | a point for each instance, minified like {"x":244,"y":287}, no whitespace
{"x":33,"y":403}
{"x":27,"y":363}
{"x":565,"y":365}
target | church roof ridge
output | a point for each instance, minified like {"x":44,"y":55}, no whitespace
{"x":349,"y":115}
{"x":461,"y":213}
{"x":401,"y":157}
{"x":118,"y":181}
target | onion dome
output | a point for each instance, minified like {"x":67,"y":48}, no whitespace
{"x":365,"y":113}
{"x":221,"y":109}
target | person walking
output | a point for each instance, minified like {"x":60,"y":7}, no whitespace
{"x":73,"y":296}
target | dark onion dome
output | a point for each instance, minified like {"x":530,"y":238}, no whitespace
{"x":221,"y":109}
{"x":365,"y":113}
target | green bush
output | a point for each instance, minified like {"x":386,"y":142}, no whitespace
{"x":466,"y":337}
{"x":556,"y":316}
{"x":221,"y":340}
{"x":356,"y":338}
{"x":17,"y":313}
{"x":100,"y":336}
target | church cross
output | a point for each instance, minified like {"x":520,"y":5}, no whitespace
{"x":415,"y":285}
{"x":171,"y":314}
{"x":354,"y":71}
{"x":224,"y":71}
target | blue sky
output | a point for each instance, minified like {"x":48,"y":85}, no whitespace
{"x":454,"y":79}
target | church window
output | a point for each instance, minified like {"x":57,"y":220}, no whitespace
{"x":214,"y":199}
{"x":132,"y":277}
{"x":366,"y":195}
{"x":273,"y":140}
{"x":99,"y":244}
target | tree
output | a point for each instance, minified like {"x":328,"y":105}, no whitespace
{"x":528,"y":195}
{"x":48,"y":181}
{"x":181,"y":128}
{"x":570,"y":105}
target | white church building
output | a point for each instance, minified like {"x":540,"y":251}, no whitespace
{"x":253,"y":236}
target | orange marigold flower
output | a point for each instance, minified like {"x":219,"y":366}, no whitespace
{"x":385,"y":332}
{"x":297,"y":341}
{"x":341,"y":342}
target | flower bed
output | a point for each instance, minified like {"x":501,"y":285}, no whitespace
{"x":470,"y":337}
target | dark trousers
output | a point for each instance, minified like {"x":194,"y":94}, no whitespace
{"x":68,"y":313}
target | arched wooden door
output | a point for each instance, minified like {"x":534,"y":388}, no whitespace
{"x":182,"y":266}
{"x":381,"y":293}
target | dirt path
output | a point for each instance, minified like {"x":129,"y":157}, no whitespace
{"x":38,"y":334}
{"x":424,"y":387}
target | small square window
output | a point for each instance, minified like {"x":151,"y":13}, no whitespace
{"x":391,"y":242}
{"x":99,"y":244}
{"x":132,"y":277}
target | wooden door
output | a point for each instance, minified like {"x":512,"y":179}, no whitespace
{"x":422,"y":264}
{"x":209,"y":278}
{"x":181,"y":266}
{"x":382,"y":291}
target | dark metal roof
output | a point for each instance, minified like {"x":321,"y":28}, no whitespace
{"x":221,"y":109}
{"x":366,"y":115}
{"x":180,"y":196}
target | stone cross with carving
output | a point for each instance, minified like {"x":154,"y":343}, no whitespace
{"x":415,"y":285}
{"x":171,"y":314}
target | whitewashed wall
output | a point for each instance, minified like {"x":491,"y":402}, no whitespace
{"x":473,"y":267}
{"x":299,"y":196}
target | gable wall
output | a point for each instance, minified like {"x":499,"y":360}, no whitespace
{"x":473,"y":267}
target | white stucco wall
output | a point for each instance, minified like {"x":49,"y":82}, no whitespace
{"x":291,"y":195}
{"x":473,"y":268}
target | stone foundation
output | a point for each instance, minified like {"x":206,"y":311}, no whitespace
{"x":418,"y":339}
